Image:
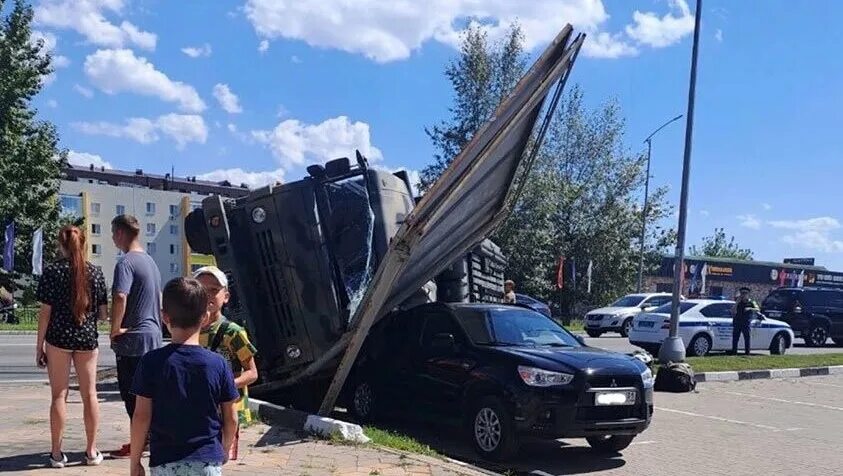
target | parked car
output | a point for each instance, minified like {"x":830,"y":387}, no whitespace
{"x":533,"y":304}
{"x":618,"y":316}
{"x":502,"y":373}
{"x":706,"y":325}
{"x":815,"y":314}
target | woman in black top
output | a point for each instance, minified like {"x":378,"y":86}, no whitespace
{"x":72,"y":294}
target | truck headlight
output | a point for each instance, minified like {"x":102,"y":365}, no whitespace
{"x":543,"y":378}
{"x":648,"y":378}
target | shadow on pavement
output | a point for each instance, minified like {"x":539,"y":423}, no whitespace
{"x":34,"y":461}
{"x":545,"y":457}
{"x":278,"y":436}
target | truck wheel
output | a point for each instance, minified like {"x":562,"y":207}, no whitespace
{"x":626,"y":327}
{"x":594,"y":334}
{"x":610,"y":443}
{"x":700,"y":346}
{"x":363,"y":403}
{"x":779,"y":344}
{"x":492,"y":430}
{"x":816,"y":335}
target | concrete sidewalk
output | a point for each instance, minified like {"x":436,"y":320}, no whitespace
{"x":264,"y":450}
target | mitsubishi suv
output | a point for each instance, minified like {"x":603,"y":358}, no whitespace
{"x":503,"y":373}
{"x":618,"y":316}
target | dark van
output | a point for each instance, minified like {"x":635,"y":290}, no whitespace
{"x":815,"y":314}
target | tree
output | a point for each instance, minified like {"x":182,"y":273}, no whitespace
{"x":30,"y":160}
{"x":582,"y":201}
{"x":482,"y":77}
{"x":717,"y":246}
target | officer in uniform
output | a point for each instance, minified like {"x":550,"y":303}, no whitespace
{"x":742,"y":314}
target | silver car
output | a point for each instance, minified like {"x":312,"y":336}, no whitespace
{"x":618,"y":316}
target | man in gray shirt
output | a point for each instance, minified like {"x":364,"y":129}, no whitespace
{"x":135,"y":309}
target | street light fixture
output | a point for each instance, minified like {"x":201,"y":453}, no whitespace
{"x":673,"y":349}
{"x":649,"y":142}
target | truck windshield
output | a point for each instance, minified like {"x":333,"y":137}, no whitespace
{"x":628,"y":301}
{"x":516,"y":327}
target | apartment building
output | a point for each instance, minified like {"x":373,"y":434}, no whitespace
{"x":160,"y":204}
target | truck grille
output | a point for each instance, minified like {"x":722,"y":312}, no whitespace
{"x":276,"y":293}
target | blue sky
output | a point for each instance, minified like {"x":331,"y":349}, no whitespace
{"x":254,"y":90}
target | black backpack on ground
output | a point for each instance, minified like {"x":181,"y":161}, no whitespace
{"x":676,"y":378}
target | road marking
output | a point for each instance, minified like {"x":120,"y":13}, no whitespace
{"x":727,"y":420}
{"x":781,"y":400}
{"x":642,"y":443}
{"x":823,"y":384}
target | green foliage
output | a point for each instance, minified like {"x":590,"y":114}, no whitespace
{"x":482,"y":77}
{"x":30,"y":159}
{"x":718,"y":246}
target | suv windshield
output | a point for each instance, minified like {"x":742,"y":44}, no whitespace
{"x":665,"y":309}
{"x":628,"y":301}
{"x":514,"y":326}
{"x":779,"y":300}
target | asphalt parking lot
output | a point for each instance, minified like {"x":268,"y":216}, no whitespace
{"x":617,"y":343}
{"x":755,"y":427}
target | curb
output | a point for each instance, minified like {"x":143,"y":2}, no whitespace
{"x":767,"y":374}
{"x":18,"y":333}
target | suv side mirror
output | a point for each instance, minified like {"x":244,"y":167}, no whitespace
{"x":444,"y":342}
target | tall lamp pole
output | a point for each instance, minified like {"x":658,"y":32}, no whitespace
{"x":649,"y":142}
{"x":673,"y":349}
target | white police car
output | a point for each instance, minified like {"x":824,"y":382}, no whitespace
{"x":706,"y":325}
{"x":618,"y":316}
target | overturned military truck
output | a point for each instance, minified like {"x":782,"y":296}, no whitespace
{"x":316,"y":262}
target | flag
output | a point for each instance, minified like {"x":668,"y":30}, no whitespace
{"x":37,"y":251}
{"x":9,"y":249}
{"x":573,"y":274}
{"x":801,"y":281}
{"x":560,"y":271}
{"x":702,"y":279}
{"x":782,"y":277}
{"x":588,"y":276}
{"x":794,"y":278}
{"x":692,"y":287}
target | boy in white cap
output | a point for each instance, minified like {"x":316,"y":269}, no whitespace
{"x":228,"y":339}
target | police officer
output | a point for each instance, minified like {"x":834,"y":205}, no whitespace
{"x":742,"y":314}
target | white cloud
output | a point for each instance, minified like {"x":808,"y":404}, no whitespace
{"x":115,"y":71}
{"x":295,"y":59}
{"x":811,"y":233}
{"x":766,"y":206}
{"x":60,"y":61}
{"x":197,"y":51}
{"x":718,"y":35}
{"x":48,"y":46}
{"x":705,"y":213}
{"x":750,"y":221}
{"x":227,"y":99}
{"x":232,"y":128}
{"x":84,"y":159}
{"x":181,"y":128}
{"x":53,"y":103}
{"x":649,"y":29}
{"x":293,"y":142}
{"x":263,"y":46}
{"x":87,"y":17}
{"x":83,"y":91}
{"x":604,"y":45}
{"x":239,"y":176}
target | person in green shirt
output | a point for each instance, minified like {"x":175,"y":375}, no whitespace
{"x":229,"y":340}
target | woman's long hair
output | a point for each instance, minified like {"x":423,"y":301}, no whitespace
{"x":72,"y":240}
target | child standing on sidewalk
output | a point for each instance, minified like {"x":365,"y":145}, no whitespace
{"x":229,"y":340}
{"x":185,"y":394}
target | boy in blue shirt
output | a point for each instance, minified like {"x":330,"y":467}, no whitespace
{"x":185,"y":394}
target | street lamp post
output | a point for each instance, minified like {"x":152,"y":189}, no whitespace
{"x":673,"y":349}
{"x":649,"y":142}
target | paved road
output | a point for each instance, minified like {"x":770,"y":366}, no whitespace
{"x":769,"y":427}
{"x":17,"y":358}
{"x":621,"y":344}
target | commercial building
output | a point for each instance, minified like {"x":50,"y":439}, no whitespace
{"x":160,"y":204}
{"x":709,"y":276}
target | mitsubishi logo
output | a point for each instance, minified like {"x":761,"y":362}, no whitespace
{"x":613,"y":384}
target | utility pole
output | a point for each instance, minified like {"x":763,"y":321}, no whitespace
{"x":673,"y":349}
{"x":649,"y":142}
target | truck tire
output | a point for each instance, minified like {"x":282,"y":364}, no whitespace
{"x":610,"y":443}
{"x":492,"y":430}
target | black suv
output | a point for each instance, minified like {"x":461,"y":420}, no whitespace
{"x":815,"y":314}
{"x":502,"y":372}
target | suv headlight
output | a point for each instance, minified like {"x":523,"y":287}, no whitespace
{"x":543,"y":378}
{"x":648,"y":378}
